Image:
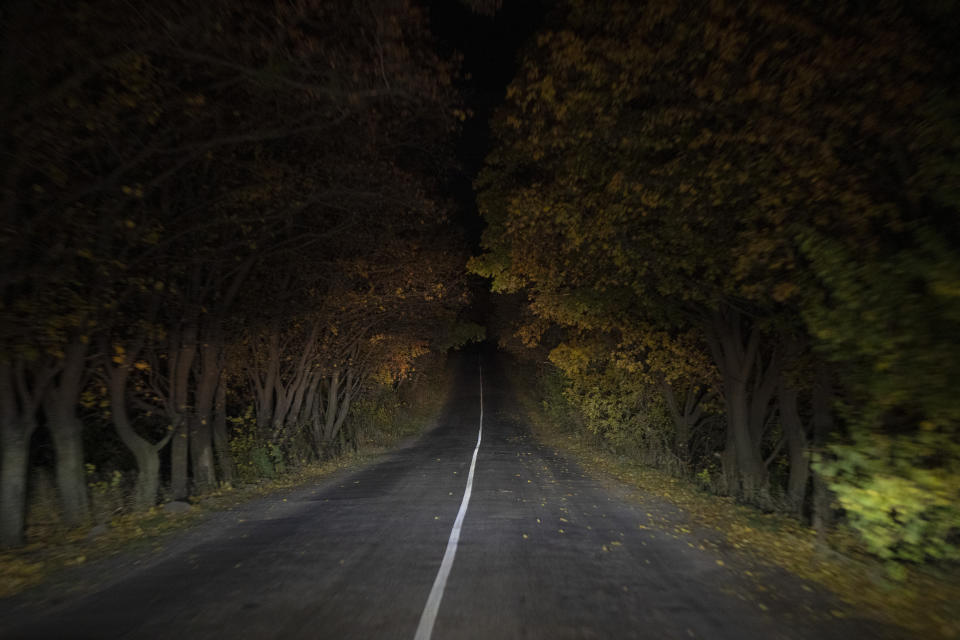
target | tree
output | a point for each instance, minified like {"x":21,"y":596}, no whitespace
{"x":203,"y":175}
{"x":675,"y":167}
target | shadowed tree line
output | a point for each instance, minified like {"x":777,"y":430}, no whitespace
{"x":731,"y":227}
{"x":208,"y":205}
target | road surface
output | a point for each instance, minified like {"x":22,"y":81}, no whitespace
{"x":542,"y":551}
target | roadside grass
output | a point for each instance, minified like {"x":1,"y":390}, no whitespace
{"x":926,"y":602}
{"x":52,"y":548}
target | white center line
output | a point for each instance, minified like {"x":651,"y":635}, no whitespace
{"x":429,"y":615}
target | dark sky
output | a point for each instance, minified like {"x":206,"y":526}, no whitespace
{"x":490,"y":45}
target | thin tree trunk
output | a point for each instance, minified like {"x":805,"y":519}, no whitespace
{"x":752,"y":472}
{"x":728,"y":465}
{"x":330,"y":411}
{"x":797,"y":451}
{"x":764,"y":389}
{"x":309,"y":399}
{"x":687,"y":417}
{"x":265,"y":399}
{"x":344,"y":407}
{"x":179,"y":462}
{"x":823,"y":426}
{"x":221,"y":440}
{"x":313,"y":411}
{"x":179,"y":391}
{"x":299,"y":395}
{"x":290,"y":396}
{"x":681,"y":428}
{"x":735,"y":358}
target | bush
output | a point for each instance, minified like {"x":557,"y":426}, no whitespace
{"x":251,"y":453}
{"x":623,"y":415}
{"x":386,"y":414}
{"x":897,"y":492}
{"x":557,"y":405}
{"x":110,"y":494}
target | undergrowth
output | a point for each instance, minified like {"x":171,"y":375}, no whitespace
{"x":923,"y":602}
{"x":51,"y":547}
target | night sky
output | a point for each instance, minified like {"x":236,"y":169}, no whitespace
{"x":490,"y":46}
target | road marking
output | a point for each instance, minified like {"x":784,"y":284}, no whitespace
{"x":429,"y":615}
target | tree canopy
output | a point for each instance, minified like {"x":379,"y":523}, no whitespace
{"x":726,"y":194}
{"x":214,"y":204}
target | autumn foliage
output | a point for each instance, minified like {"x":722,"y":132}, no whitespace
{"x":735,"y":228}
{"x":209,"y":207}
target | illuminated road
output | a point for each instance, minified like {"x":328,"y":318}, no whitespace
{"x":543,"y":552}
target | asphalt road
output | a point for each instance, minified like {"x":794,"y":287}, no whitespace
{"x":543,"y":552}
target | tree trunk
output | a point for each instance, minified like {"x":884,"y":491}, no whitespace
{"x":13,"y":463}
{"x":289,"y":393}
{"x":330,"y":410}
{"x":201,"y":422}
{"x":185,"y":348}
{"x":13,"y":484}
{"x":313,"y":412}
{"x":681,"y":426}
{"x":221,"y":440}
{"x":299,"y":395}
{"x":752,"y":478}
{"x":18,"y":421}
{"x":60,"y":407}
{"x":70,"y":470}
{"x":146,"y":454}
{"x":309,"y":399}
{"x":266,"y":393}
{"x":797,"y":451}
{"x":761,"y":398}
{"x":179,"y":462}
{"x":344,"y":407}
{"x":728,"y":465}
{"x":823,"y":425}
{"x":686,"y":417}
{"x":735,"y":358}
